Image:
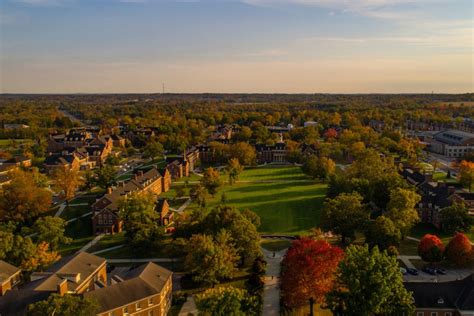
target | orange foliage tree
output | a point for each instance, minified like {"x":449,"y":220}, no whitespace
{"x":308,"y":271}
{"x":431,"y":248}
{"x":466,"y":173}
{"x":42,"y":258}
{"x":459,"y":249}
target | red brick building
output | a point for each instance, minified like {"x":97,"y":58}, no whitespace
{"x":105,"y":218}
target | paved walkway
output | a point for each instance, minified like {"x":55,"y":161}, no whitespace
{"x":76,"y":218}
{"x":91,"y":243}
{"x":271,"y":292}
{"x":107,"y":249}
{"x":60,"y":210}
{"x":184,"y":206}
{"x":407,"y":262}
{"x":189,"y":307}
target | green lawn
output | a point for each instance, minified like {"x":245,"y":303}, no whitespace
{"x":108,"y":241}
{"x":284,"y":207}
{"x":275,"y":245}
{"x":81,"y":233}
{"x":273,"y":173}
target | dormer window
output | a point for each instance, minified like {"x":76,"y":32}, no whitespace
{"x":440,"y":300}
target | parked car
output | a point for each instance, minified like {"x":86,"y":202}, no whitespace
{"x":403,"y":271}
{"x":441,"y":271}
{"x":412,"y":271}
{"x":429,"y":270}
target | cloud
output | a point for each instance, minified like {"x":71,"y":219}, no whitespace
{"x":381,"y":9}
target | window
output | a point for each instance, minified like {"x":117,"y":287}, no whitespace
{"x":150,"y":301}
{"x":434,"y":313}
{"x":448,"y":314}
{"x":150,"y":313}
{"x":138,"y":306}
{"x":420,"y":314}
{"x":125,"y":310}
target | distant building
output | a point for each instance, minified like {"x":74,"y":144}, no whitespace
{"x":453,"y":298}
{"x":452,"y":143}
{"x":271,"y":153}
{"x":163,"y":209}
{"x":15,"y":126}
{"x":310,"y":123}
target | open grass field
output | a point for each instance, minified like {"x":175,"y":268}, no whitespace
{"x":288,"y":203}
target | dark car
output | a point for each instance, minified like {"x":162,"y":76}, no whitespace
{"x":441,"y":271}
{"x":412,"y":271}
{"x":429,"y":270}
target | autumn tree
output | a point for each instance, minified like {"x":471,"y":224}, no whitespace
{"x":431,"y":248}
{"x":320,"y":168}
{"x":22,"y":199}
{"x":383,"y":233}
{"x":455,"y":218}
{"x":51,"y":229}
{"x":104,"y":176}
{"x":210,"y":260}
{"x":153,"y":149}
{"x":308,"y":272}
{"x":466,"y":173}
{"x":459,"y":250}
{"x":67,"y":180}
{"x":241,"y":227}
{"x":141,"y":221}
{"x":234,"y":168}
{"x":200,"y":195}
{"x":344,"y":214}
{"x":226,"y":300}
{"x":41,"y":259}
{"x":374,"y":276}
{"x":243,"y":152}
{"x":401,"y":209}
{"x":211,"y":180}
{"x":63,"y":306}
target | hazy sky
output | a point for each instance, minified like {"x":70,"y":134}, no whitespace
{"x":69,"y":46}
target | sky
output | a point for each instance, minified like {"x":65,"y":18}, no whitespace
{"x":265,"y":46}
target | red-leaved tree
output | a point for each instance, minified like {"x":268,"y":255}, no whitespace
{"x":308,"y":271}
{"x":431,"y":248}
{"x":330,"y":133}
{"x":459,"y":249}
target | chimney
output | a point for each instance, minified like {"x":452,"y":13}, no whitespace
{"x":109,"y":190}
{"x":135,"y":176}
{"x":140,"y":173}
{"x":62,"y":287}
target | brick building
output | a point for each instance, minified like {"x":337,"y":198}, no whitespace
{"x":10,"y":276}
{"x":105,"y":218}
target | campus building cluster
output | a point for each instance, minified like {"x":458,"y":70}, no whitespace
{"x":80,"y":148}
{"x":138,"y":290}
{"x":436,"y":195}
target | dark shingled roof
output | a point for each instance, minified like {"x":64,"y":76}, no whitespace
{"x":138,"y":283}
{"x":457,"y":294}
{"x":7,"y":271}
